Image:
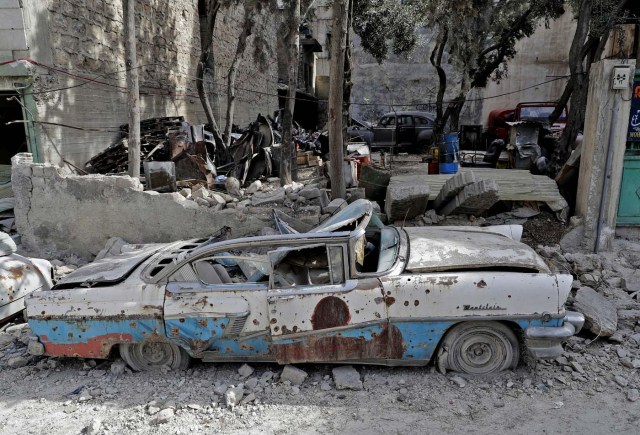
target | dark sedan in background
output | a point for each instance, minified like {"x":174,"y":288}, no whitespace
{"x":411,"y":131}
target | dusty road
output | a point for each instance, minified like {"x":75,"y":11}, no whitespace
{"x":589,"y":390}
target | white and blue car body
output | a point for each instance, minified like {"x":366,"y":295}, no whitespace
{"x":349,"y":291}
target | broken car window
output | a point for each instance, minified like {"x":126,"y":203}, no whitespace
{"x":308,"y":266}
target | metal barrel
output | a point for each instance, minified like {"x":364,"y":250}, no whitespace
{"x":449,"y":145}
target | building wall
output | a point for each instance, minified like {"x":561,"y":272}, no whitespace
{"x":84,"y":38}
{"x":541,"y":58}
{"x":111,"y":206}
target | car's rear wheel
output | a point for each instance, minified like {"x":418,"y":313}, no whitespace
{"x":154,"y":355}
{"x":479,"y":348}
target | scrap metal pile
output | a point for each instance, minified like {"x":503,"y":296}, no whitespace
{"x":194,"y":152}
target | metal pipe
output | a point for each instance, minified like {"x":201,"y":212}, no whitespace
{"x":607,"y":170}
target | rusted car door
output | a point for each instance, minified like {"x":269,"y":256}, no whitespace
{"x":318,"y":314}
{"x":206,"y":309}
{"x":406,"y":130}
{"x":384,"y":134}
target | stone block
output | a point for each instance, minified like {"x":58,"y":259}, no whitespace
{"x":406,"y":201}
{"x":453,"y":186}
{"x":346,"y":378}
{"x":475,"y":198}
{"x":600,"y":314}
{"x":310,"y":192}
{"x":233,"y":186}
{"x":268,"y":197}
{"x":334,"y":206}
{"x":293,"y":374}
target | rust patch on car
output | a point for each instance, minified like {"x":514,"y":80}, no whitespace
{"x":17,"y":272}
{"x":198,"y":346}
{"x":95,"y":347}
{"x":406,"y":303}
{"x":416,"y":303}
{"x":203,"y":322}
{"x":330,"y":312}
{"x":389,"y":300}
{"x":481,"y":284}
{"x":256,"y":322}
{"x":387,"y":344}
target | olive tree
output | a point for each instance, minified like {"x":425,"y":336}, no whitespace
{"x":480,"y":38}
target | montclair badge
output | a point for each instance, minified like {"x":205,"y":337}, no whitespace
{"x":485,"y":307}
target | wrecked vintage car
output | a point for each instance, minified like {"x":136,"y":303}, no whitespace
{"x":19,"y":276}
{"x":350,"y":290}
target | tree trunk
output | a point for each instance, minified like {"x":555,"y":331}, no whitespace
{"x":579,"y":83}
{"x":348,"y":84}
{"x":292,"y":42}
{"x":247,"y":28}
{"x":208,"y":11}
{"x":133,"y":91}
{"x":336,"y":89}
{"x":436,"y":61}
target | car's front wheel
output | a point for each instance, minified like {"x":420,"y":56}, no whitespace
{"x":479,"y":348}
{"x":153,"y":355}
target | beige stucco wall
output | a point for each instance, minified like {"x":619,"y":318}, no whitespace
{"x":540,"y":58}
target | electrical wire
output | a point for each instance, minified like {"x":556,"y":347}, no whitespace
{"x":123,"y":89}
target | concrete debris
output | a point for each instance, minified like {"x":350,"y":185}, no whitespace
{"x":17,"y":362}
{"x":268,"y":197}
{"x":452,"y":187}
{"x":232,"y":185}
{"x":118,"y":368}
{"x":601,"y":316}
{"x":621,"y":380}
{"x":406,"y":201}
{"x":93,"y":428}
{"x":245,"y":371}
{"x":633,"y":395}
{"x":459,"y":381}
{"x":346,"y":378}
{"x":293,"y":375}
{"x":334,"y":206}
{"x":233,"y":396}
{"x":164,"y":416}
{"x":475,"y":198}
{"x":253,"y":187}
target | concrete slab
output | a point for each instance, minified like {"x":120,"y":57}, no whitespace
{"x":475,"y":198}
{"x":405,"y":201}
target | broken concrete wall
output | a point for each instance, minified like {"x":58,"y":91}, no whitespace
{"x":78,"y":214}
{"x":76,"y":39}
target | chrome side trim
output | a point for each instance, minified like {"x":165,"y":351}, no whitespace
{"x":485,"y":317}
{"x":278,"y":338}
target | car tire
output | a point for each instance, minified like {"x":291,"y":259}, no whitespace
{"x":422,"y":147}
{"x":154,"y":355}
{"x":479,"y":348}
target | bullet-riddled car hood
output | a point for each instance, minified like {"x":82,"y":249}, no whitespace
{"x":458,"y":248}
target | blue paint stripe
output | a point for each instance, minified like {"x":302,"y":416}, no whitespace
{"x":72,"y":332}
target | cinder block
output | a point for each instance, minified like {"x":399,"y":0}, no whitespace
{"x":473,"y":199}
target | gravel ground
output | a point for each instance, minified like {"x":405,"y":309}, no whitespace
{"x":586,"y":391}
